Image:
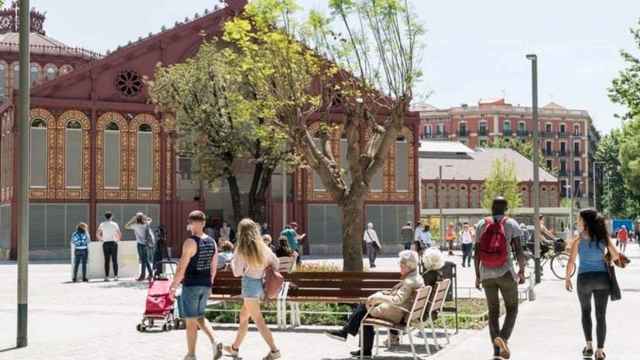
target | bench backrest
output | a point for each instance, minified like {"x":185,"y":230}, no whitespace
{"x":345,"y":285}
{"x":440,"y":295}
{"x":286,"y":264}
{"x":420,"y":304}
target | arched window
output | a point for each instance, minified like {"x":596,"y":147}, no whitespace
{"x":73,"y":155}
{"x":16,"y":76}
{"x":111,"y":156}
{"x":51,"y":72}
{"x":402,"y":164}
{"x":145,"y":157}
{"x":3,"y":75}
{"x":35,"y":73}
{"x":506,"y":127}
{"x":482,"y":129}
{"x":38,"y":154}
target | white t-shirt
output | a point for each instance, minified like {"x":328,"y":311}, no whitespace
{"x":466,"y":237}
{"x":140,"y":231}
{"x":109,"y":230}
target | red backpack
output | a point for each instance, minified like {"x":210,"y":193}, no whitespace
{"x":493,"y":244}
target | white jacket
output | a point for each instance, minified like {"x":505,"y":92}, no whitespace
{"x":370,"y":235}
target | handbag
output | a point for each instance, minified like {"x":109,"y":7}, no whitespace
{"x":375,"y":243}
{"x":614,"y":287}
{"x":273,"y":282}
{"x":149,"y":238}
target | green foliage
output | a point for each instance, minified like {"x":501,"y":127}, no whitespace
{"x":630,"y":155}
{"x":502,"y":182}
{"x":625,"y":89}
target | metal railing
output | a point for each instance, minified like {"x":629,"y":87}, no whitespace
{"x":53,"y":50}
{"x":523,"y":133}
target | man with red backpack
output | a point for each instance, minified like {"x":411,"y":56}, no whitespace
{"x":498,"y":237}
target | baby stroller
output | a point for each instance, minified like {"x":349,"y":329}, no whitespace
{"x":160,"y":309}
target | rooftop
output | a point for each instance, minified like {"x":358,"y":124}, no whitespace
{"x":444,"y":147}
{"x":477,"y":166}
{"x":498,"y":106}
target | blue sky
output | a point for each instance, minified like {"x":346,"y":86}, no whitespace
{"x":474,"y":49}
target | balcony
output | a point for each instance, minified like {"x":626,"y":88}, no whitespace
{"x":548,"y":152}
{"x":436,"y":135}
{"x":577,"y":153}
{"x":523,"y":133}
{"x":562,"y":172}
{"x":463,"y":133}
{"x":547,"y":134}
{"x":507,"y":132}
{"x":577,"y":172}
{"x":563,"y":153}
{"x":483,"y":132}
{"x":563,"y":134}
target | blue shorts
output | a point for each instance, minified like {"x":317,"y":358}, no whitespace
{"x":194,"y":301}
{"x":252,"y":288}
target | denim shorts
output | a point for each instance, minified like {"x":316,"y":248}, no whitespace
{"x":252,"y":288}
{"x":194,"y":301}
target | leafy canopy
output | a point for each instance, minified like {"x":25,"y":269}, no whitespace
{"x":502,"y":182}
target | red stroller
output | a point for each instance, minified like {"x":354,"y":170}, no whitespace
{"x":160,"y":307}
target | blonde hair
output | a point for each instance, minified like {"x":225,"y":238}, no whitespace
{"x":250,"y":245}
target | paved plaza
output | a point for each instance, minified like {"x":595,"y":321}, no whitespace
{"x":97,"y":321}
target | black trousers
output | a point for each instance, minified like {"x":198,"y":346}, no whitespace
{"x":352,"y":327}
{"x":467,"y":250}
{"x":596,"y":285}
{"x":110,"y":249}
{"x":508,"y":287}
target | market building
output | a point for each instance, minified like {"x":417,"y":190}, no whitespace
{"x":97,"y":144}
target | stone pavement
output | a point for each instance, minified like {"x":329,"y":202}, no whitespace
{"x":97,"y":321}
{"x":550,"y":327}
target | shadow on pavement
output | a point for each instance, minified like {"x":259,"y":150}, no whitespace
{"x":8,"y":349}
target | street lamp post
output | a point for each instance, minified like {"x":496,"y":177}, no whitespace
{"x":22,"y":187}
{"x":595,"y":185}
{"x":440,"y":200}
{"x":536,"y":168}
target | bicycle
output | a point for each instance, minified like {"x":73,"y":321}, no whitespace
{"x":557,"y":257}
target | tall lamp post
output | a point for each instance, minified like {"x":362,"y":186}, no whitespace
{"x":595,"y":185}
{"x":22,"y":187}
{"x":439,"y":200}
{"x":536,"y":168}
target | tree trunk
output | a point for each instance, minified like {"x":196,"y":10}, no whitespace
{"x":258,"y":202}
{"x":234,"y":191}
{"x":352,"y":230}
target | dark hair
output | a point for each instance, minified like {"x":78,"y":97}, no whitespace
{"x":427,"y":227}
{"x":500,"y":206}
{"x":140,"y":219}
{"x":595,"y":225}
{"x":540,"y":217}
{"x":108,"y":215}
{"x":227,"y":246}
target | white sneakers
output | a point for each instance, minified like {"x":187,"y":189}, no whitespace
{"x":217,"y":350}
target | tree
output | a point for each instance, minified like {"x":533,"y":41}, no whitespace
{"x":630,"y":155}
{"x":613,"y":195}
{"x":218,"y":127}
{"x":625,"y":89}
{"x":360,"y":82}
{"x":502,"y":182}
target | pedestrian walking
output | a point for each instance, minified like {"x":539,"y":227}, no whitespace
{"x":80,"y":240}
{"x":425,"y":238}
{"x":372,"y":243}
{"x":466,"y":238}
{"x":161,"y":249}
{"x":593,"y":276}
{"x":498,"y":236}
{"x":109,"y":233}
{"x":225,"y":232}
{"x":451,"y":237}
{"x":264,"y":229}
{"x":293,"y":239}
{"x":250,"y":260}
{"x":196,"y":272}
{"x":406,"y":234}
{"x":141,"y":226}
{"x":623,"y":238}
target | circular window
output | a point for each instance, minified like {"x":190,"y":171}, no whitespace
{"x":129,"y":83}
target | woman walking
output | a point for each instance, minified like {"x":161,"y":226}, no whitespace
{"x":250,"y":260}
{"x":593,"y":277}
{"x":80,"y":240}
{"x":373,"y":244}
{"x":451,"y":237}
{"x":466,"y":238}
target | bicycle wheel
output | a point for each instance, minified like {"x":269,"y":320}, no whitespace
{"x":559,"y":265}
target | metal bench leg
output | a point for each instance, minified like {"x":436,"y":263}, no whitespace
{"x":433,"y":332}
{"x":424,"y":336}
{"x":446,"y":332}
{"x":361,"y":341}
{"x":413,"y":348}
{"x":377,"y":340}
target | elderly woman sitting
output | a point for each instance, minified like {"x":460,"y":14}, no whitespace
{"x":383,"y":304}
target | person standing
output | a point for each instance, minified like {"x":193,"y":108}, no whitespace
{"x":623,"y":237}
{"x":225,"y":232}
{"x":250,"y":260}
{"x":80,"y":240}
{"x":426,"y":240}
{"x":197,"y":271}
{"x":466,"y":238}
{"x":109,"y":233}
{"x":451,"y":237}
{"x":264,"y":230}
{"x":498,"y":236}
{"x":372,"y":242}
{"x":593,"y":276}
{"x":293,"y":239}
{"x":406,"y":234}
{"x":141,"y":226}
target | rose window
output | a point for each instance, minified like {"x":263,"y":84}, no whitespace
{"x":129,"y":83}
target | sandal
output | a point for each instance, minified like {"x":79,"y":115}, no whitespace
{"x":231,"y":351}
{"x":587,"y":353}
{"x":504,"y":348}
{"x":272,"y":355}
{"x":601,"y":356}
